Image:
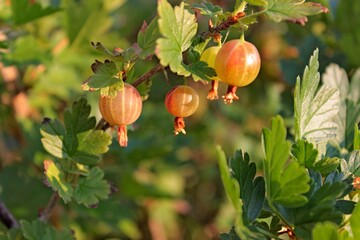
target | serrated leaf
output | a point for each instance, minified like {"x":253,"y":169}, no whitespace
{"x":76,"y":141}
{"x":232,"y":190}
{"x":345,"y":206}
{"x":355,"y":222}
{"x":25,"y":11}
{"x":38,"y":230}
{"x":178,"y":27}
{"x":321,"y":204}
{"x":147,"y":37}
{"x":353,"y":163}
{"x":53,"y":133}
{"x":56,"y":178}
{"x":286,"y":181}
{"x":304,"y":153}
{"x":326,"y":165}
{"x":293,"y":10}
{"x":106,"y":74}
{"x":200,"y":70}
{"x":336,"y":77}
{"x":252,"y":190}
{"x":261,"y":3}
{"x":208,"y":9}
{"x":92,"y":188}
{"x":315,"y":110}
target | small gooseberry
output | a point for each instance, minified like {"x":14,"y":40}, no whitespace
{"x":122,"y":110}
{"x":181,"y":101}
{"x":237,"y":64}
{"x":209,"y":56}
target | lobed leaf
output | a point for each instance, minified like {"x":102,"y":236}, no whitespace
{"x":105,"y":75}
{"x":315,"y":110}
{"x":304,"y":153}
{"x":92,"y":188}
{"x":321,"y":205}
{"x":353,"y":163}
{"x":286,"y":181}
{"x":38,"y":230}
{"x":232,"y":190}
{"x":293,"y":10}
{"x":208,"y":9}
{"x":252,"y":190}
{"x":147,"y":37}
{"x":326,"y":165}
{"x":56,"y":178}
{"x":76,"y":140}
{"x":178,"y":27}
{"x":200,"y":70}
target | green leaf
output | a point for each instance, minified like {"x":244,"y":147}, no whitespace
{"x":304,"y":153}
{"x":232,"y":190}
{"x":111,"y":91}
{"x":24,"y":11}
{"x":315,"y":110}
{"x":252,"y":190}
{"x":286,"y":181}
{"x":293,"y":10}
{"x":77,"y":140}
{"x":178,"y":27}
{"x":147,"y":37}
{"x":38,"y":230}
{"x":355,"y":221}
{"x":92,"y":188}
{"x":231,"y":186}
{"x":353,"y":163}
{"x":208,"y":9}
{"x":356,"y":138}
{"x":327,"y":165}
{"x":353,"y":108}
{"x":53,"y":133}
{"x":200,"y":70}
{"x":261,"y":3}
{"x":105,"y":75}
{"x":336,"y":77}
{"x":326,"y":230}
{"x":56,"y":178}
{"x":321,"y":205}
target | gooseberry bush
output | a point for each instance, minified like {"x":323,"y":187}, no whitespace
{"x":307,"y":185}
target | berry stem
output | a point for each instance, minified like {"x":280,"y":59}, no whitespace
{"x":179,"y":125}
{"x":230,"y":95}
{"x":122,"y":136}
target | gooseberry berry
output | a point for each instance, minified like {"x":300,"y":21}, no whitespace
{"x":122,"y":110}
{"x":237,"y":63}
{"x":182,"y":101}
{"x":209,"y":56}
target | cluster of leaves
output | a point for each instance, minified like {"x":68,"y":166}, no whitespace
{"x":303,"y":188}
{"x":77,"y":146}
{"x":36,"y":230}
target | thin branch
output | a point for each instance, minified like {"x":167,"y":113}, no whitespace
{"x":7,"y":218}
{"x":46,"y":213}
{"x":146,"y":76}
{"x":214,"y":32}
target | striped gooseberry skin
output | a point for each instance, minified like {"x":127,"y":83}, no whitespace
{"x":182,"y":101}
{"x":124,"y":109}
{"x":237,"y":63}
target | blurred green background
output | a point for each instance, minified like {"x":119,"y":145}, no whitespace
{"x":168,"y":187}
